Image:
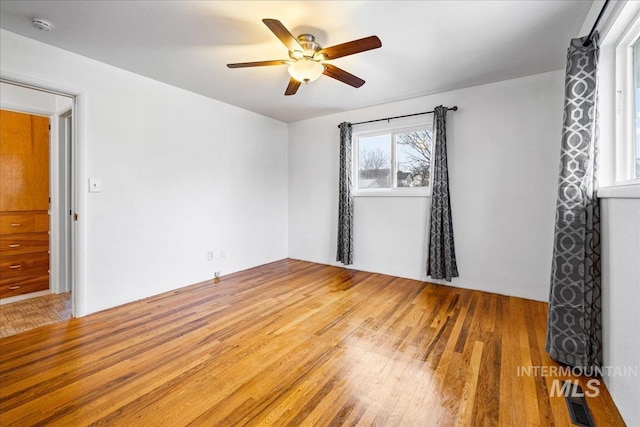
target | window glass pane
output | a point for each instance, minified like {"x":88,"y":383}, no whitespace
{"x":374,"y":162}
{"x":413,"y":158}
{"x":636,"y":91}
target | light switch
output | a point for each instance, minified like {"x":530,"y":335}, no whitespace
{"x":95,"y":185}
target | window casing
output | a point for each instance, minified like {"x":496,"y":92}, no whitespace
{"x":627,"y":54}
{"x":634,"y":149}
{"x":393,"y":162}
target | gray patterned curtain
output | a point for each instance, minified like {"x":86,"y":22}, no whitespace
{"x":345,"y":202}
{"x":441,"y":255}
{"x":574,"y":332}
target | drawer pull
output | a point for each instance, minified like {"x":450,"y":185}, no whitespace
{"x":13,"y":288}
{"x":15,"y":245}
{"x":15,"y":224}
{"x":14,"y":266}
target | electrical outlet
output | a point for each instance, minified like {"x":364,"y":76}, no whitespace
{"x":216,"y":274}
{"x":211,"y":255}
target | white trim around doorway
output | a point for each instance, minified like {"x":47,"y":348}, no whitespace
{"x":78,"y":173}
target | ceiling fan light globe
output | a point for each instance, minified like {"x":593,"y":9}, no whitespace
{"x":306,"y":71}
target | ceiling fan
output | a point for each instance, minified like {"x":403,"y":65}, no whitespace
{"x":307,"y":57}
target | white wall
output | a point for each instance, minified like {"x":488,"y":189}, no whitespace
{"x":504,"y":147}
{"x":22,"y":99}
{"x":621,"y":301}
{"x":181,"y":174}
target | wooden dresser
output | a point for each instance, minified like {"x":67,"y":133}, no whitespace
{"x":24,"y":203}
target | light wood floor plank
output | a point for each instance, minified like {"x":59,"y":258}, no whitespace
{"x":292,"y":343}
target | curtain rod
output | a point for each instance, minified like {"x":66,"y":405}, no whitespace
{"x":589,"y":39}
{"x":454,"y":108}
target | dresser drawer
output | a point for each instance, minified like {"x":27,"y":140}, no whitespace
{"x":18,"y":244}
{"x":24,"y":223}
{"x":23,"y":265}
{"x":26,"y":285}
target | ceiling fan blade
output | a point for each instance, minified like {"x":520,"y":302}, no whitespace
{"x":349,"y":48}
{"x":282,"y":33}
{"x":340,"y":74}
{"x":293,"y":87}
{"x":258,"y":63}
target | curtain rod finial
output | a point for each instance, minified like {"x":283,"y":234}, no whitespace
{"x":455,"y":108}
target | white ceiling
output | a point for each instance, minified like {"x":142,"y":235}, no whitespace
{"x":427,"y":46}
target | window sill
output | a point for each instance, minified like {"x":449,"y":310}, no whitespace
{"x":628,"y":191}
{"x":391,"y":193}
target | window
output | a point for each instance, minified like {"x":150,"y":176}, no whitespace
{"x":627,"y":54}
{"x":635,"y":146}
{"x":398,"y":159}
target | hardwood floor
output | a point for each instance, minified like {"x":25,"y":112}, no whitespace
{"x":31,"y":313}
{"x":292,"y":343}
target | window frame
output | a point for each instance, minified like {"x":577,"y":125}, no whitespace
{"x":393,"y":190}
{"x":625,"y":121}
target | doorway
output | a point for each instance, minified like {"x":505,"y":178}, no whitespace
{"x":58,"y":302}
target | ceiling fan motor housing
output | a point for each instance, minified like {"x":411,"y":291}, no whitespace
{"x":309,"y":46}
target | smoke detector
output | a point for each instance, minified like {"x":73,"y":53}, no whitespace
{"x":41,"y":24}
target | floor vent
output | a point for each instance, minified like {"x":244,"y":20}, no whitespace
{"x":578,"y":409}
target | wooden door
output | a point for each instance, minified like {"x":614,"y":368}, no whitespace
{"x":24,"y":203}
{"x":24,"y":150}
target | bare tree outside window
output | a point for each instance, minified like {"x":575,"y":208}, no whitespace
{"x":413,"y":157}
{"x":374,"y":162}
{"x":404,"y":154}
{"x":373,"y":159}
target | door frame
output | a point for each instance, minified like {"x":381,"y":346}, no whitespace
{"x":77,"y":174}
{"x":64,"y":206}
